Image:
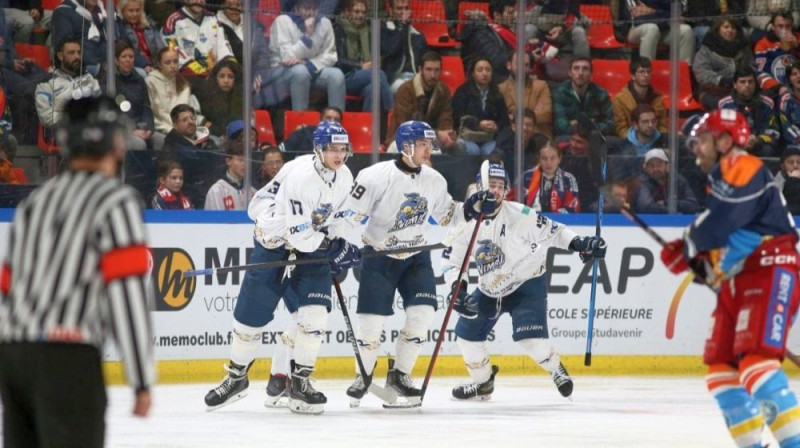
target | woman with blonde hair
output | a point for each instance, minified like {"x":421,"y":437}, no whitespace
{"x":134,"y":26}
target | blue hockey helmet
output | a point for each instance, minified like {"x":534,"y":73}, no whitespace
{"x":411,"y":131}
{"x":330,"y":133}
{"x":492,"y":171}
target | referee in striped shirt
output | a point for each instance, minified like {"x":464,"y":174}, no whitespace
{"x":74,"y":274}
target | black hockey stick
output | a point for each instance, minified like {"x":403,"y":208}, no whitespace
{"x":282,"y":263}
{"x":384,"y":394}
{"x":449,"y":311}
{"x":598,"y":151}
{"x":625,"y":210}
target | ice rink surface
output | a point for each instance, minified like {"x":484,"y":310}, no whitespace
{"x":641,"y":412}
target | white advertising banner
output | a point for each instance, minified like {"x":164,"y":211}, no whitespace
{"x":640,"y":309}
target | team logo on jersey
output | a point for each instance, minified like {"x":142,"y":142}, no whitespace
{"x":320,"y":215}
{"x":488,"y":256}
{"x":779,"y":65}
{"x":412,"y":212}
{"x":173,"y":290}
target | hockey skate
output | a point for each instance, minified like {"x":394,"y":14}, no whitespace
{"x":474,"y":391}
{"x":303,"y":398}
{"x":356,"y":391}
{"x":233,"y":387}
{"x":401,"y":384}
{"x":563,"y":381}
{"x":277,"y":389}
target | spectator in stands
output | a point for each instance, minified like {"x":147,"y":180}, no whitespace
{"x":7,"y":175}
{"x":575,"y":160}
{"x":775,"y":52}
{"x":638,"y":91}
{"x":425,"y":98}
{"x":617,"y":196}
{"x":22,"y":16}
{"x":85,"y":22}
{"x":580,"y":94}
{"x":700,"y":13}
{"x":643,"y":134}
{"x":274,"y":159}
{"x":68,"y":82}
{"x":166,"y":89}
{"x":494,"y":38}
{"x":788,"y":178}
{"x":759,"y":110}
{"x":185,"y":134}
{"x":479,"y":109}
{"x":646,"y":23}
{"x":532,"y":140}
{"x":221,"y":97}
{"x":353,"y":47}
{"x":303,"y":49}
{"x":561,"y":24}
{"x":536,"y":95}
{"x":169,"y":194}
{"x":134,"y":25}
{"x":301,"y":139}
{"x":402,"y":45}
{"x":651,"y":194}
{"x":230,"y":192}
{"x":187,"y":143}
{"x":790,"y":105}
{"x":759,"y":15}
{"x":548,"y":188}
{"x":197,"y":37}
{"x":235,"y":132}
{"x":133,"y":88}
{"x":725,"y":47}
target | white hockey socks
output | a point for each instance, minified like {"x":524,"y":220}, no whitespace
{"x":245,"y":343}
{"x":543,"y":352}
{"x":476,"y":358}
{"x":284,"y":351}
{"x":412,"y":336}
{"x":312,"y":321}
{"x":368,"y":336}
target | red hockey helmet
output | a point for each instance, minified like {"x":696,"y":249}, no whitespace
{"x":720,"y":121}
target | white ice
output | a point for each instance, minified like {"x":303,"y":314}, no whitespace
{"x":642,"y":412}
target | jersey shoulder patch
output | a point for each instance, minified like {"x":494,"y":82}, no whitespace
{"x":739,"y":171}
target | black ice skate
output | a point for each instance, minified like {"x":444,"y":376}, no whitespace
{"x":401,"y":384}
{"x":474,"y":391}
{"x":233,"y":387}
{"x":563,"y":381}
{"x":277,"y":389}
{"x":303,"y":398}
{"x":357,"y":390}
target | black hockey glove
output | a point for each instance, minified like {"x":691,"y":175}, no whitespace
{"x":342,"y":256}
{"x":480,"y":202}
{"x":465,"y":305}
{"x":588,"y":247}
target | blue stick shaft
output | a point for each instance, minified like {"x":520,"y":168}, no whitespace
{"x":598,"y":223}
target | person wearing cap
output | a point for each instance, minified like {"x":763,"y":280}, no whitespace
{"x":230,"y":192}
{"x":788,"y":178}
{"x":651,"y":194}
{"x":235,"y":131}
{"x":743,"y":246}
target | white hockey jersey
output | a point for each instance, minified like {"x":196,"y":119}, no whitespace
{"x":295,"y":206}
{"x":397,"y":207}
{"x":200,"y":45}
{"x":510,"y":248}
{"x":226,"y":195}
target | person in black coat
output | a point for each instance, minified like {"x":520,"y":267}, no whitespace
{"x":788,"y":179}
{"x":84,"y":20}
{"x":493,"y":39}
{"x":479,"y":110}
{"x":402,"y":46}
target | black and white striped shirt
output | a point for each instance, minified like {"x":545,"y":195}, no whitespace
{"x":76,"y":270}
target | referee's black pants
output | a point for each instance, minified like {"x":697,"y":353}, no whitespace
{"x":53,"y":395}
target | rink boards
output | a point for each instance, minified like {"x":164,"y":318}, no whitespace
{"x":647,"y":320}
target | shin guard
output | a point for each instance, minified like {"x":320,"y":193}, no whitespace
{"x":768,"y":384}
{"x":740,"y":410}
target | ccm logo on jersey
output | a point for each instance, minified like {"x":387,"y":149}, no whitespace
{"x":769,"y":260}
{"x":298,"y":229}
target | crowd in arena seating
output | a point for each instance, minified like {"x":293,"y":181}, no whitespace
{"x":178,"y":65}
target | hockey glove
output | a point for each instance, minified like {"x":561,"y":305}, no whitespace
{"x":588,"y":247}
{"x":465,"y":304}
{"x":480,"y":202}
{"x":673,"y":258}
{"x":343,"y":256}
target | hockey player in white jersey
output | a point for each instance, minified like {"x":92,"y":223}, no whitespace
{"x":397,"y":200}
{"x":510,"y":253}
{"x":292,"y":213}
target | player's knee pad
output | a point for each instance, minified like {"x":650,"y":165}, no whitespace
{"x":288,"y":335}
{"x":542,"y":351}
{"x":418,"y":321}
{"x":370,"y":328}
{"x":244,"y":343}
{"x":740,"y":410}
{"x":764,"y":379}
{"x":476,"y":358}
{"x":312,"y":322}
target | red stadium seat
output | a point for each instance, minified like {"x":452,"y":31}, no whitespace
{"x":660,"y":81}
{"x":264,"y":129}
{"x":267,"y":12}
{"x":292,"y":119}
{"x":428,"y":17}
{"x":359,"y":128}
{"x":601,"y":33}
{"x":50,"y":4}
{"x":452,"y":72}
{"x":463,"y":7}
{"x":611,"y":74}
{"x":39,"y":53}
{"x":45,"y":144}
{"x":19,"y":173}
